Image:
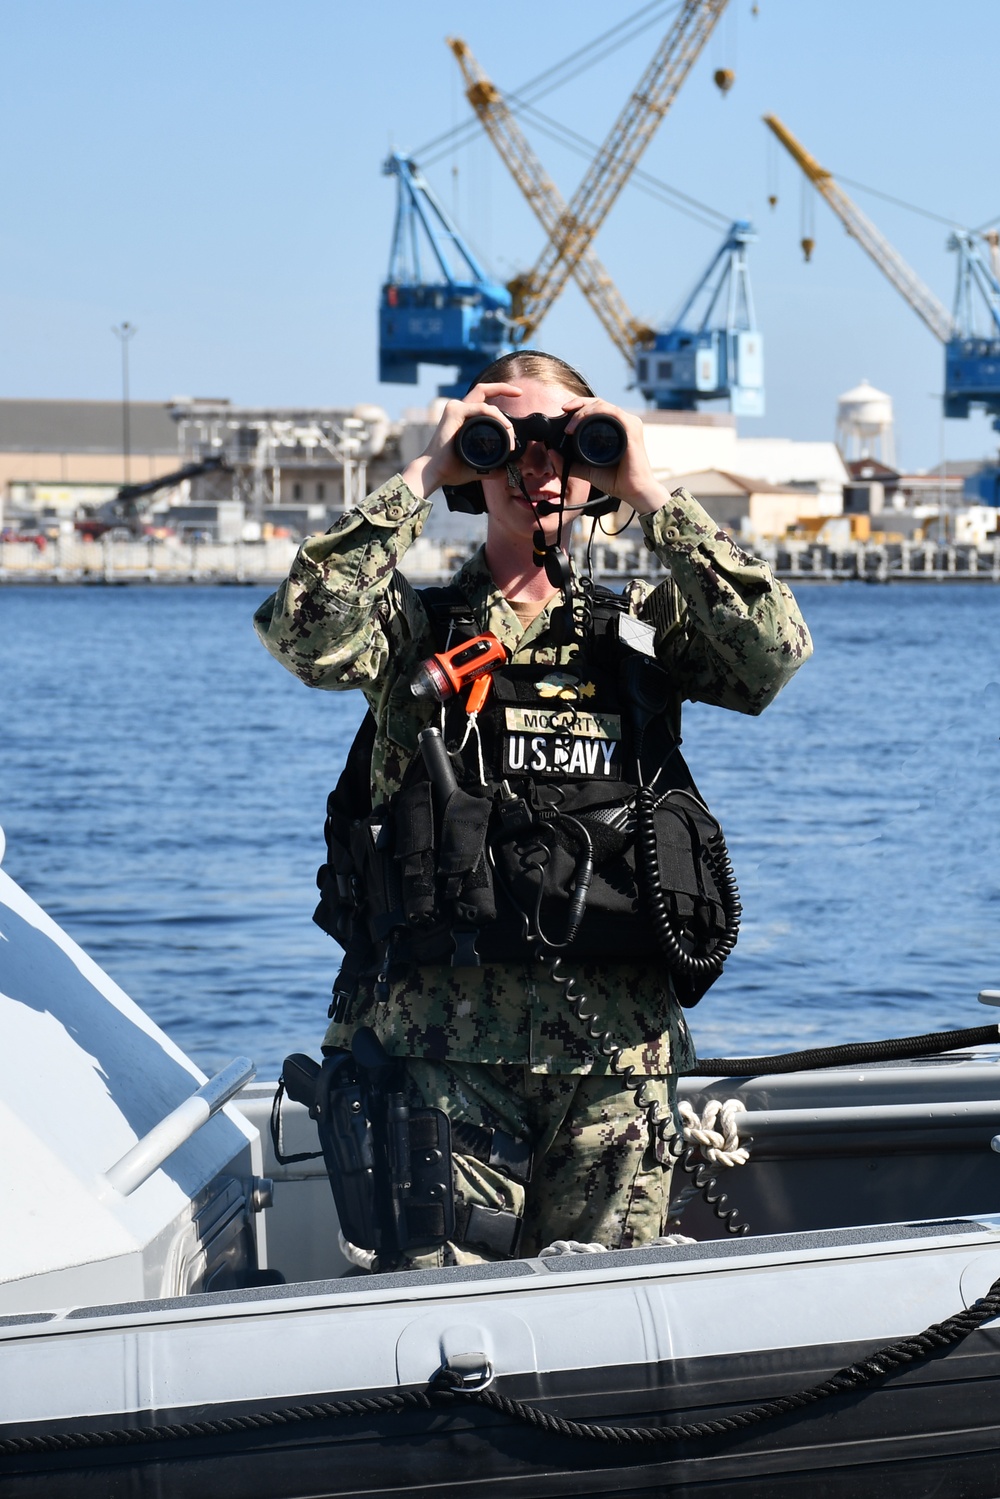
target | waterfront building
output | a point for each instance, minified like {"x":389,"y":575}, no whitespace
{"x":61,"y":459}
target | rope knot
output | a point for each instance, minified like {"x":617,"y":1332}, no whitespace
{"x":714,"y":1131}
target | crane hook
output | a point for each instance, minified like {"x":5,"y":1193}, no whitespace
{"x":724,"y":78}
{"x":808,"y":245}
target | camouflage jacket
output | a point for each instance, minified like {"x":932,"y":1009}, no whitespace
{"x":727,"y":630}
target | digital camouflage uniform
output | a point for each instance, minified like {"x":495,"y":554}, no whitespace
{"x":497,"y":1045}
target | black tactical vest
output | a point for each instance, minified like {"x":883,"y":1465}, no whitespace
{"x":574,"y":823}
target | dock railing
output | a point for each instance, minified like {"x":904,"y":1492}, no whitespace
{"x":148,"y":560}
{"x":809,"y":561}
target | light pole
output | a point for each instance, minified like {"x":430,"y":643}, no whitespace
{"x":124,"y":332}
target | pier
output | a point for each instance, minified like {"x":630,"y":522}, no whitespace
{"x":147,"y":560}
{"x":812,"y":562}
{"x":887,"y":562}
{"x":68,"y":561}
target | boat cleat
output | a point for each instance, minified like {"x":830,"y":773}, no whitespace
{"x":465,"y":1373}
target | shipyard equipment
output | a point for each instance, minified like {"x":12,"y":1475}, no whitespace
{"x":614,"y":163}
{"x":467,"y":322}
{"x":714,"y":348}
{"x":439,"y":305}
{"x":549,"y":208}
{"x":571,"y":228}
{"x":133,"y":500}
{"x":971,"y":335}
{"x":692,"y":361}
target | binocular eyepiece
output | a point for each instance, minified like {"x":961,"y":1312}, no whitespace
{"x":483,"y":442}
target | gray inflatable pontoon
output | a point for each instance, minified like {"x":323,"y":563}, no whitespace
{"x":144,"y":1353}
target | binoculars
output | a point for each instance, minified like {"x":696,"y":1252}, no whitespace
{"x":483,"y":442}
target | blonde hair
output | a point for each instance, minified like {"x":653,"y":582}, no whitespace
{"x":532,"y":364}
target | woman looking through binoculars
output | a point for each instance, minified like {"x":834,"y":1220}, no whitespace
{"x":506,"y":823}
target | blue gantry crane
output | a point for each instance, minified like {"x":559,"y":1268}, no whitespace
{"x":972,"y":353}
{"x":713,"y":350}
{"x":438,"y":305}
{"x":466,"y":322}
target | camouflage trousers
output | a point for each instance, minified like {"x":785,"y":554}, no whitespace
{"x":598,"y":1173}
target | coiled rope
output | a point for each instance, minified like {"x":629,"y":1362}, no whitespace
{"x":685,"y":1152}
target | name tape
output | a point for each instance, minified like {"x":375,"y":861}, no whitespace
{"x":567,"y":720}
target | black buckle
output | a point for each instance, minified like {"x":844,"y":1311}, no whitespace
{"x":340,"y":1007}
{"x":493,"y":1229}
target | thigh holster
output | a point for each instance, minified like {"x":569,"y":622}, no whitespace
{"x":389,"y":1164}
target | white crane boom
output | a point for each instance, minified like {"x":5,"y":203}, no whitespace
{"x":548,"y":205}
{"x":889,"y":261}
{"x":614,"y":163}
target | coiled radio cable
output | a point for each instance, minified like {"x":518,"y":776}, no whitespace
{"x":685,"y":1155}
{"x":707,"y":964}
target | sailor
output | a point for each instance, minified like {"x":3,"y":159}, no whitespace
{"x":483,"y":1025}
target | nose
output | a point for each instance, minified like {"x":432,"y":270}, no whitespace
{"x":538,"y":459}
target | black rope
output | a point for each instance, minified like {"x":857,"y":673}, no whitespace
{"x":877,"y":1366}
{"x":844,"y":1056}
{"x":857,"y":1376}
{"x":289,"y":1415}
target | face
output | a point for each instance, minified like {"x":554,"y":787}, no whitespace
{"x":510,"y":515}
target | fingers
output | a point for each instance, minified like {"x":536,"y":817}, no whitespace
{"x":445,"y":467}
{"x":477,"y":403}
{"x":457,"y":413}
{"x":483,"y":392}
{"x":581,"y":406}
{"x":632,"y":478}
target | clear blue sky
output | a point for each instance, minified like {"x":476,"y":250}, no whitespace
{"x":211,"y":172}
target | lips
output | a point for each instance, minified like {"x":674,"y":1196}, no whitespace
{"x":550,"y":496}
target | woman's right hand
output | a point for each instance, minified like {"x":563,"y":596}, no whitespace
{"x":439,"y":463}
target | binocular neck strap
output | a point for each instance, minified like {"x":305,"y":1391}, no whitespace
{"x":516,"y":481}
{"x":551,"y":557}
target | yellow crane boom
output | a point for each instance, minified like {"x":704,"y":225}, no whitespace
{"x":889,"y":261}
{"x":545,"y":199}
{"x":572,"y":235}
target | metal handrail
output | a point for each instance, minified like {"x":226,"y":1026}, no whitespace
{"x":984,"y":1112}
{"x":148,"y":1154}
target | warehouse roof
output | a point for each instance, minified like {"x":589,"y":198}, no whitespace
{"x":719,"y":483}
{"x":85,"y":427}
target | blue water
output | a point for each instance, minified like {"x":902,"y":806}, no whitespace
{"x":162,"y":788}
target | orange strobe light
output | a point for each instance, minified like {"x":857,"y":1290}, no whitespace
{"x":441,"y":676}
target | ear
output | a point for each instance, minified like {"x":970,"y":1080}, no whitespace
{"x":467,"y":499}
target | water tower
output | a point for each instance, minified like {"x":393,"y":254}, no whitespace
{"x":864,"y":424}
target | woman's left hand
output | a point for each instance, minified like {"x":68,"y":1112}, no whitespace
{"x":632,"y":480}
